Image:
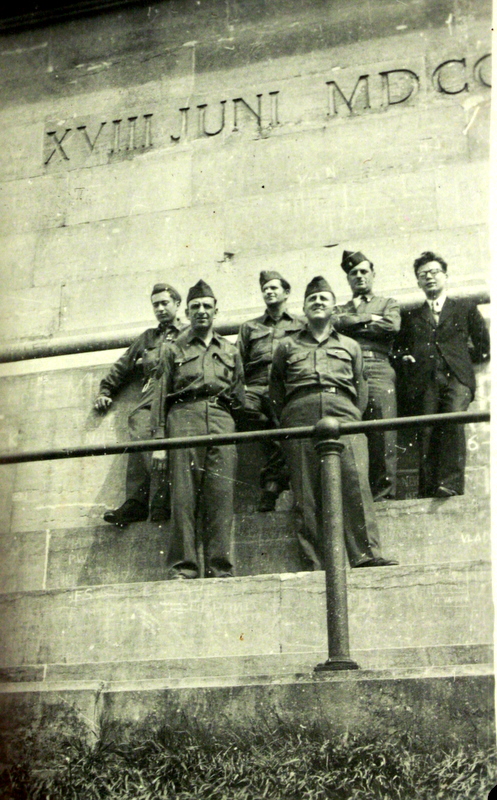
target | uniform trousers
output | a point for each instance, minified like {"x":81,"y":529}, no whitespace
{"x":202,"y":489}
{"x":382,"y":445}
{"x":361,"y":533}
{"x":259,"y":415}
{"x":139,"y":481}
{"x":442,"y":447}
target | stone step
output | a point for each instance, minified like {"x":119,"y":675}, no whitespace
{"x":413,"y":531}
{"x":233,"y":670}
{"x":437,"y":704}
{"x":266,"y":615}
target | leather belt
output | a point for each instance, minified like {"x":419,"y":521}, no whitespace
{"x":375,"y":354}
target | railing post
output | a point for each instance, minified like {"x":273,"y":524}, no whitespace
{"x":330,"y":448}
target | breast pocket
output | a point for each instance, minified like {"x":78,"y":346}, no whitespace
{"x":338,"y":361}
{"x":298,"y":366}
{"x":260,"y":345}
{"x":224,"y":366}
{"x":149,"y":360}
{"x":187,"y":368}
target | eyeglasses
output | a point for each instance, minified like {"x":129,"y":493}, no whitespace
{"x":426,"y":272}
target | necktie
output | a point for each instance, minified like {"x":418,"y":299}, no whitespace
{"x":435,"y":311}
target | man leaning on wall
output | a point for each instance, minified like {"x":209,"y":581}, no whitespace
{"x":257,"y":340}
{"x":373,"y":321}
{"x":139,"y":362}
{"x":438,"y":342}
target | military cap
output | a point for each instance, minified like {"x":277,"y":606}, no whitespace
{"x":351,"y":260}
{"x":271,"y":275}
{"x":166,"y":287}
{"x":318,"y":284}
{"x":201,"y":289}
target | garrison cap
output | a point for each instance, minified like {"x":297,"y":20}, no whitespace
{"x":201,"y":289}
{"x":271,"y":275}
{"x":318,"y":284}
{"x":166,"y":287}
{"x":351,"y":260}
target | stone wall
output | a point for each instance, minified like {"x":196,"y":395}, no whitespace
{"x":215,"y":139}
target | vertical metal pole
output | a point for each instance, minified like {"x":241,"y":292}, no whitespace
{"x":330,"y":449}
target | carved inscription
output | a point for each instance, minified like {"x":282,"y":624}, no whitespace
{"x":70,"y":145}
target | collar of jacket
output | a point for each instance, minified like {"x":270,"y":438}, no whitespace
{"x":266,"y":317}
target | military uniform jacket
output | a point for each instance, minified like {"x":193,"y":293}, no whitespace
{"x":376,"y":335}
{"x":139,"y":361}
{"x":302,"y":363}
{"x":257,"y":342}
{"x":460,"y":338}
{"x":189,"y":371}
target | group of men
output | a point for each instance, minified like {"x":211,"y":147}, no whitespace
{"x":292,"y":371}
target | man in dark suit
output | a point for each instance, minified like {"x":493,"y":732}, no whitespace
{"x":437,"y":345}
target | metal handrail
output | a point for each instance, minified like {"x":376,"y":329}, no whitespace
{"x":93,"y":342}
{"x":304,"y":432}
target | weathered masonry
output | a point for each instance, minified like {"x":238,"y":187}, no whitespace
{"x":213,"y":139}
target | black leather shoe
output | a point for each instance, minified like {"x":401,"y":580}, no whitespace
{"x":378,"y":562}
{"x":267,"y":501}
{"x":160,"y":514}
{"x":130,"y":511}
{"x":442,"y":491}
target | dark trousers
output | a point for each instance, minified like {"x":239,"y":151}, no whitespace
{"x":259,"y":416}
{"x":139,"y":481}
{"x":202,"y":488}
{"x":362,"y":538}
{"x":382,"y":445}
{"x":442,"y":447}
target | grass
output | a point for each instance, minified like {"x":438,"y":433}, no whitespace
{"x":282,"y":762}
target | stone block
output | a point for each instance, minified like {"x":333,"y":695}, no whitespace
{"x":150,"y":620}
{"x":338,"y":211}
{"x":32,"y":204}
{"x":140,"y":186}
{"x":270,"y":614}
{"x":20,"y":152}
{"x":23,"y":561}
{"x":32,"y":312}
{"x":355,"y":148}
{"x":140,"y":250}
{"x":462,"y":195}
{"x":17,"y":255}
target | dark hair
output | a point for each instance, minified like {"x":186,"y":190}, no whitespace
{"x":425,"y":258}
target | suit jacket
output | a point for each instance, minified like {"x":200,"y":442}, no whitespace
{"x":461,"y":338}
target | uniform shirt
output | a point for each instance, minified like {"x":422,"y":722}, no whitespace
{"x":301,"y":362}
{"x":191,"y":370}
{"x":139,"y":360}
{"x":257,"y":341}
{"x":354,"y":319}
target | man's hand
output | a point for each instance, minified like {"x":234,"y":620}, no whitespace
{"x":408,"y":359}
{"x":102,"y":403}
{"x":159,"y":460}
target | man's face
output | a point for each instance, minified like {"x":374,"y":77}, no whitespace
{"x":164,"y":306}
{"x":361,"y":279}
{"x":432,"y":279}
{"x":201,"y":313}
{"x":273,"y":292}
{"x":319,"y":306}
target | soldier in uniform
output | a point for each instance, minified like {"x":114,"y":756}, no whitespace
{"x":257,"y":340}
{"x":319,"y":372}
{"x":439,"y":341}
{"x":373,"y":321}
{"x":199,"y":390}
{"x":140,"y":360}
